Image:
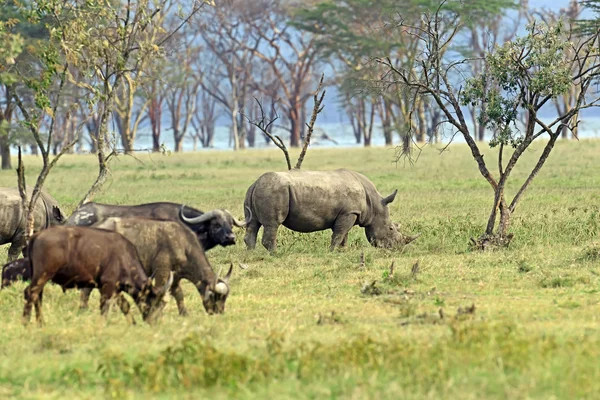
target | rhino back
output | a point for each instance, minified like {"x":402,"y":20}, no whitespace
{"x":12,"y":217}
{"x":313,"y":199}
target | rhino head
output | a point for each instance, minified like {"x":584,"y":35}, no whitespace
{"x":382,"y":232}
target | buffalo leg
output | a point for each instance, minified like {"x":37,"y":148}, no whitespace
{"x":37,"y":303}
{"x":341,"y":226}
{"x":178,"y":294}
{"x":125,"y":307}
{"x":106,"y":298}
{"x":28,"y":305}
{"x":251,"y":234}
{"x":269,"y":239}
{"x":84,"y":298}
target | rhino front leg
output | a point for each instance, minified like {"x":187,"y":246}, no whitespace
{"x":269,"y":239}
{"x":341,"y":226}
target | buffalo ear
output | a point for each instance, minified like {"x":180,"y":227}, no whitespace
{"x":58,"y":215}
{"x":387,"y":200}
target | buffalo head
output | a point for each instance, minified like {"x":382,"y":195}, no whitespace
{"x":382,"y":232}
{"x":215,"y":295}
{"x":214,"y":227}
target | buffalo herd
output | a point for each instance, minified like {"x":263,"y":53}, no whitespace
{"x":146,"y":250}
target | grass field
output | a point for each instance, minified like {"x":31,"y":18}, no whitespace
{"x":297,"y":324}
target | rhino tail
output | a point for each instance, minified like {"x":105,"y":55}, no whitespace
{"x":248,"y":203}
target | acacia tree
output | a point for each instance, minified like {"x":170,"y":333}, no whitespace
{"x":523,"y":76}
{"x":91,"y":46}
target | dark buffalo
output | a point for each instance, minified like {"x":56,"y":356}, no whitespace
{"x":12,"y":218}
{"x":17,"y":270}
{"x":309,"y":201}
{"x":78,"y":257}
{"x":166,"y":246}
{"x":213,"y":227}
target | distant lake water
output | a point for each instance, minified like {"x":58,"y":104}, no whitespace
{"x":341,"y":133}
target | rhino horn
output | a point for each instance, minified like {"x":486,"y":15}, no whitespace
{"x":240,"y":224}
{"x":207,"y":216}
{"x":409,"y":239}
{"x":387,"y":200}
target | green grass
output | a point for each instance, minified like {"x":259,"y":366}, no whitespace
{"x":297,"y":324}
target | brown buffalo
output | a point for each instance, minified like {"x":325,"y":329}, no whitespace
{"x":17,"y":270}
{"x":78,"y":257}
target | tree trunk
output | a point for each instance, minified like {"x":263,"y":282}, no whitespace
{"x":295,"y":128}
{"x":6,"y":116}
{"x":155,"y":114}
{"x":178,"y":140}
{"x":5,"y":152}
{"x":422,"y":127}
{"x":251,"y":136}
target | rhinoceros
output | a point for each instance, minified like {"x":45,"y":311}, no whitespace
{"x":12,"y":218}
{"x":309,"y":201}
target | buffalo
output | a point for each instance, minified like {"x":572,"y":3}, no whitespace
{"x":17,"y":270}
{"x":165,"y":246}
{"x":213,"y":227}
{"x":12,"y":218}
{"x":79,"y":257}
{"x":309,"y":201}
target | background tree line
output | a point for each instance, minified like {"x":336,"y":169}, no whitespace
{"x":229,"y":53}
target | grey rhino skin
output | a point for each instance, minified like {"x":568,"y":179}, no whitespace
{"x":165,"y":246}
{"x":309,"y":201}
{"x":12,"y":218}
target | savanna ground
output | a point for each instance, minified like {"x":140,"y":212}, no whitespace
{"x":297,"y":324}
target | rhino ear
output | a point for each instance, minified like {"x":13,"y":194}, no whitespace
{"x":57,"y":214}
{"x":387,"y":200}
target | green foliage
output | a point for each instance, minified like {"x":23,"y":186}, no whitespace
{"x":519,"y":73}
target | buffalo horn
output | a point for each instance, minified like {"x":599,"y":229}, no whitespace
{"x":207,"y":216}
{"x":237,"y":223}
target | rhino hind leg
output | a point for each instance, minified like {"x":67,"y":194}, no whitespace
{"x":269,"y":239}
{"x":341,"y":227}
{"x":251,"y":234}
{"x":344,"y":241}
